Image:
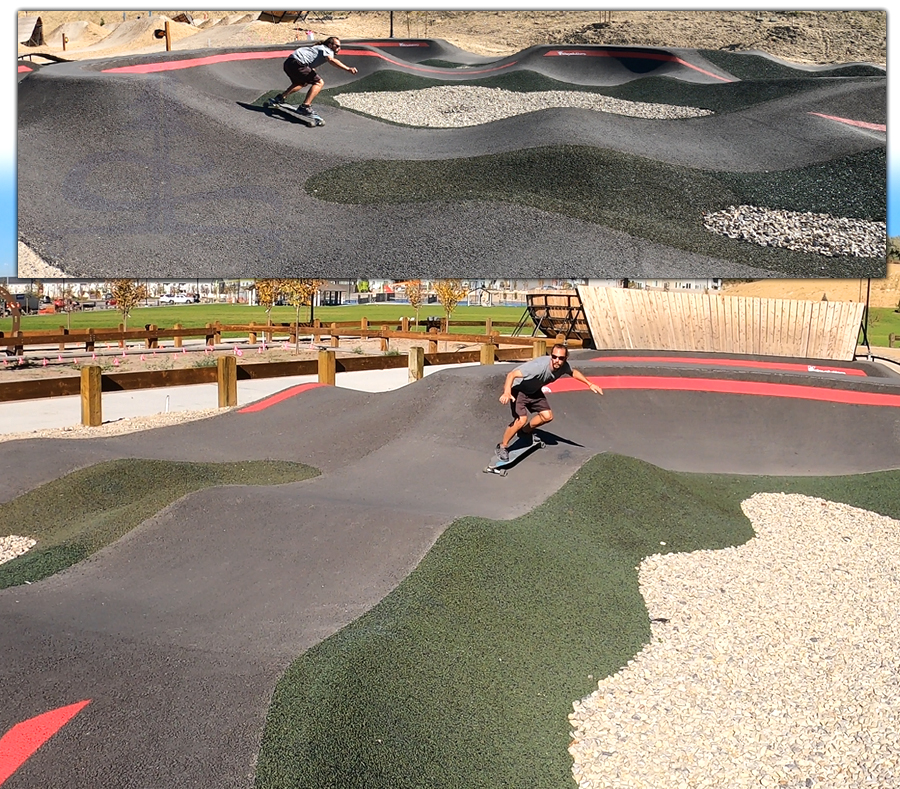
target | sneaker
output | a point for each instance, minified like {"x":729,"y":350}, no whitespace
{"x":304,"y":109}
{"x":502,"y":453}
{"x":272,"y":101}
{"x":535,"y":438}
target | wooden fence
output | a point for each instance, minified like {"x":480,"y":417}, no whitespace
{"x":151,"y":335}
{"x":92,"y":382}
{"x":683,"y":321}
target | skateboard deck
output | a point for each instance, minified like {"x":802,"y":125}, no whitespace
{"x":500,"y":467}
{"x":291,"y":111}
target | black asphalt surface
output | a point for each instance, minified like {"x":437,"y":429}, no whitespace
{"x":182,"y":173}
{"x":178,"y":632}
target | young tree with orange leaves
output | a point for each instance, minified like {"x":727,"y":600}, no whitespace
{"x":128,"y":293}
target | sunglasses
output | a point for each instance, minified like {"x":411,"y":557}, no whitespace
{"x":554,"y":356}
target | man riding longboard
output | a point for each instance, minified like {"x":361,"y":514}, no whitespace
{"x":300,"y":67}
{"x":523,"y":390}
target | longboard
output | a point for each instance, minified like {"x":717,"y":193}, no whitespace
{"x":500,"y":467}
{"x":291,"y":111}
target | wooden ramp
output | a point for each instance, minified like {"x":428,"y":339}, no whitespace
{"x":31,"y":31}
{"x":558,"y":312}
{"x":621,"y":319}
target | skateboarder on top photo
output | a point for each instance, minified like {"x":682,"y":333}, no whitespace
{"x":523,"y":390}
{"x":300,"y":66}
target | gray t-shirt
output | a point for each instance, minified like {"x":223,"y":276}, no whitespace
{"x":538,"y":373}
{"x":313,"y":56}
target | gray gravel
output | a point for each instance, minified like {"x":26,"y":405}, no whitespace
{"x":821,"y":234}
{"x":456,"y":106}
{"x":770,"y":664}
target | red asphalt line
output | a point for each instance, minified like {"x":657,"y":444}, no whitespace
{"x":209,"y":60}
{"x":562,"y":52}
{"x":792,"y":366}
{"x":719,"y":386}
{"x":861,"y":124}
{"x":261,"y":405}
{"x":23,"y":739}
{"x":23,"y":69}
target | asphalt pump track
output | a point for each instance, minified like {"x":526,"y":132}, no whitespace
{"x":152,"y":663}
{"x":168,"y":165}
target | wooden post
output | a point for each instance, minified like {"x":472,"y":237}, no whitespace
{"x":168,"y":37}
{"x":251,"y":336}
{"x":488,"y":325}
{"x":317,"y":335}
{"x":364,"y":324}
{"x":63,"y":330}
{"x":416,"y":363}
{"x":326,"y":367}
{"x":404,"y":323}
{"x":384,"y":339}
{"x":178,"y":340}
{"x":487,"y":353}
{"x":210,"y":336}
{"x":335,"y":338}
{"x":122,"y":330}
{"x":150,"y":342}
{"x":226,"y":376}
{"x":539,"y":349}
{"x":91,"y":409}
{"x":432,"y":344}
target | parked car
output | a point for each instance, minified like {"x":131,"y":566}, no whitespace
{"x":176,"y":298}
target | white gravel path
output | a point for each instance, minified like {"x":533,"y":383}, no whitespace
{"x":774,"y":663}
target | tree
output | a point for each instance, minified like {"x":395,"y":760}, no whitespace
{"x":128,"y":293}
{"x":415,"y":294}
{"x":893,"y":252}
{"x":450,"y":292}
{"x":267,"y":293}
{"x":299,"y":292}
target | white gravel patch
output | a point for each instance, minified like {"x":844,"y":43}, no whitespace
{"x":13,"y":546}
{"x":455,"y":106}
{"x":118,"y":427}
{"x":771,"y":664}
{"x":806,"y":231}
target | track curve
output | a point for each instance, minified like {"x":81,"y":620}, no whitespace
{"x":145,"y":165}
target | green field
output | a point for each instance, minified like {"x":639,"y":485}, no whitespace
{"x":201,"y":314}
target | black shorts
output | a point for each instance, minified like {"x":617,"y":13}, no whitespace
{"x":299,"y":74}
{"x":523,"y":404}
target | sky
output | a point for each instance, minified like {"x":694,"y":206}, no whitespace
{"x":8,"y":246}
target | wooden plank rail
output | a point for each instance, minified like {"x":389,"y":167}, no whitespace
{"x":151,"y":379}
{"x":212,"y":333}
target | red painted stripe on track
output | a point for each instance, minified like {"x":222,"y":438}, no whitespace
{"x":175,"y":65}
{"x":23,"y":69}
{"x":209,"y":60}
{"x":276,"y":398}
{"x":638,"y":55}
{"x":23,"y":739}
{"x":792,"y":366}
{"x":861,"y":124}
{"x":390,"y":44}
{"x":720,"y":386}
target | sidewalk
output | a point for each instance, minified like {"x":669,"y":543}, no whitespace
{"x":24,"y":416}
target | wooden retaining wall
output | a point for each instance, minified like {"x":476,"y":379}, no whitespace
{"x":622,"y":318}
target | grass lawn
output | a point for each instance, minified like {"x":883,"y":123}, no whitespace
{"x":882,"y":322}
{"x":464,"y":676}
{"x":189,"y":315}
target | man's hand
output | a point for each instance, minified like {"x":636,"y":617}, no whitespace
{"x":596,"y":389}
{"x":505,"y":397}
